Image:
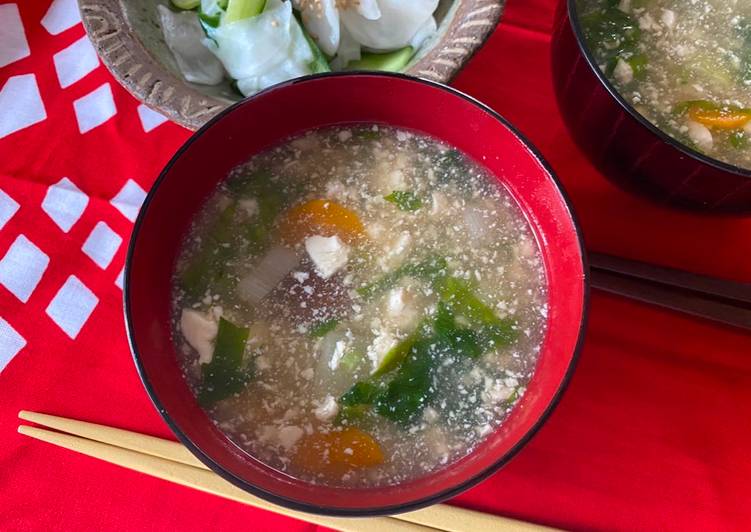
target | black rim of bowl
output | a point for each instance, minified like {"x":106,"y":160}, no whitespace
{"x":573,"y":15}
{"x":385,"y":510}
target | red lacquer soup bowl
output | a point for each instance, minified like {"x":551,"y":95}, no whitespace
{"x":265,"y":120}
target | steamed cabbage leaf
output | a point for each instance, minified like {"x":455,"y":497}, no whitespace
{"x":183,"y":35}
{"x":399,"y":22}
{"x":263,"y":50}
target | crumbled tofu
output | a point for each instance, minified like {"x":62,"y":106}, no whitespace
{"x":382,"y":344}
{"x":267,"y":434}
{"x":524,"y":249}
{"x":439,"y":203}
{"x":336,"y":357}
{"x":430,"y":414}
{"x":250,"y":206}
{"x":344,"y":135}
{"x":375,"y":231}
{"x":701,"y":135}
{"x":396,"y":250}
{"x":668,"y":18}
{"x":262,"y":363}
{"x":396,"y":301}
{"x":300,"y":277}
{"x":337,"y":189}
{"x":389,"y":173}
{"x":329,"y":254}
{"x":647,"y":23}
{"x":484,"y":430}
{"x":436,"y":440}
{"x":288,"y":436}
{"x":623,"y":72}
{"x":307,"y":374}
{"x":199,"y":331}
{"x":307,"y":142}
{"x":327,"y":409}
{"x":259,"y":334}
{"x":495,"y":392}
{"x":401,"y":307}
{"x":395,"y":180}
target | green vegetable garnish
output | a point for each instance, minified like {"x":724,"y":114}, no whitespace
{"x":410,"y":390}
{"x":612,"y":28}
{"x":350,"y":415}
{"x":395,"y":355}
{"x":745,"y":34}
{"x":319,"y":63}
{"x":351,"y":359}
{"x":638,"y":64}
{"x":738,"y":139}
{"x":225,"y":374}
{"x":390,"y":62}
{"x":209,"y":22}
{"x":405,"y":200}
{"x":491,"y":331}
{"x":462,"y":340}
{"x":413,"y":363}
{"x":429,"y":269}
{"x":362,"y":393}
{"x":270,"y":199}
{"x":448,"y":166}
{"x":242,"y":9}
{"x":613,"y":34}
{"x":209,"y":264}
{"x":323,"y":328}
{"x":367,"y":133}
{"x":186,"y":5}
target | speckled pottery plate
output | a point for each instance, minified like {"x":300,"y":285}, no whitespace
{"x":128,"y":38}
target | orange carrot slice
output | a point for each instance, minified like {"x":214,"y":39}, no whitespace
{"x":338,"y":452}
{"x":320,"y":217}
{"x":721,"y":118}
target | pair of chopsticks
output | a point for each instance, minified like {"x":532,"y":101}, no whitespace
{"x":723,"y":301}
{"x":171,"y":461}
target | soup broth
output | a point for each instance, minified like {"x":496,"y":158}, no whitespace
{"x":359,"y":306}
{"x":684,"y":65}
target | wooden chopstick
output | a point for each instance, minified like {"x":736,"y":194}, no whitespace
{"x":171,"y":461}
{"x":142,"y":443}
{"x":723,"y":301}
{"x":721,"y":288}
{"x":205,"y":480}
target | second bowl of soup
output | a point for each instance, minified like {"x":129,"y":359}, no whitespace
{"x":658,"y":93}
{"x":358,"y":307}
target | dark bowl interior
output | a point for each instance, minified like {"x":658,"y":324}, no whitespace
{"x":626,"y":147}
{"x":265,"y":120}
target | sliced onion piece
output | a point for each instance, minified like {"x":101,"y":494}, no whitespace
{"x":398,"y":24}
{"x":183,"y":35}
{"x":267,"y":274}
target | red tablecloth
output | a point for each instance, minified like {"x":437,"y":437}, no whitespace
{"x":653,"y":432}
